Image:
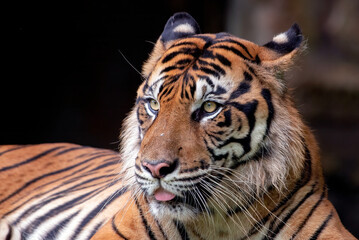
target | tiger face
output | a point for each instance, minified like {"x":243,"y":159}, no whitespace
{"x":208,"y":114}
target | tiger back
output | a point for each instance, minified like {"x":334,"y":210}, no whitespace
{"x":213,"y":149}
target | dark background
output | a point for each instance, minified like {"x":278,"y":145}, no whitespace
{"x":64,"y":79}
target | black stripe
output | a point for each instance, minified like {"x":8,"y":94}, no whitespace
{"x":219,"y":91}
{"x":237,"y":43}
{"x":268,"y":97}
{"x":189,"y":178}
{"x":273,"y":234}
{"x":208,"y":43}
{"x":173,"y":55}
{"x":207,"y":79}
{"x":53,"y":197}
{"x":203,"y":62}
{"x":167,"y":69}
{"x":214,"y":65}
{"x":52,"y":234}
{"x":233,"y":50}
{"x":186,"y":93}
{"x":242,"y":89}
{"x":223,"y":60}
{"x":215,"y":157}
{"x":14,"y":149}
{"x":203,"y":166}
{"x":218,"y":68}
{"x":249,"y":110}
{"x":102,"y":153}
{"x":10,"y":233}
{"x":100,"y":207}
{"x":251,"y":70}
{"x":115,"y":229}
{"x":302,"y":181}
{"x":116,"y":161}
{"x":41,"y":193}
{"x":321,"y":228}
{"x":158,"y":224}
{"x":44,"y":176}
{"x":192,"y":89}
{"x":209,"y":54}
{"x":167,"y":91}
{"x":53,"y":212}
{"x":182,"y":230}
{"x":107,"y":177}
{"x":144,"y":221}
{"x":140,"y":177}
{"x":31,"y":159}
{"x":309,"y":214}
{"x":95,"y":229}
{"x":171,"y":79}
{"x":182,"y":43}
{"x":69,"y":150}
{"x":185,"y":51}
{"x":209,"y":71}
{"x":247,"y":76}
{"x":184,"y":61}
{"x":227,"y":119}
{"x":257,"y":60}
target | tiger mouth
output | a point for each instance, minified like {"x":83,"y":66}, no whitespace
{"x":189,"y":200}
{"x":177,"y":201}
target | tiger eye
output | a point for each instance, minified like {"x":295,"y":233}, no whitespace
{"x":209,"y":106}
{"x":154,"y":105}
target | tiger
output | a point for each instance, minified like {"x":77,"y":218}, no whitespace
{"x":213,"y":148}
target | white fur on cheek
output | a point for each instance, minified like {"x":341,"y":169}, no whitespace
{"x":130,"y":146}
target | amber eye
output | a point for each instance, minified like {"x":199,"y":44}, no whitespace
{"x":155,"y":106}
{"x":210,"y":106}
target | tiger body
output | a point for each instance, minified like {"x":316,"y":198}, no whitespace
{"x":213,"y":149}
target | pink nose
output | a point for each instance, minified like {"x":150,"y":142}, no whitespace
{"x":158,"y":170}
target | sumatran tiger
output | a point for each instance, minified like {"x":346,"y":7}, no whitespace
{"x":213,"y":149}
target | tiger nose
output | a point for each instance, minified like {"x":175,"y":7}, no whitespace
{"x":159,"y":169}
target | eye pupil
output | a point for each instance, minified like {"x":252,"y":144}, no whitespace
{"x":209,"y":106}
{"x":154,"y":105}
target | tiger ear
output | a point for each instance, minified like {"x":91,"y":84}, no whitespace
{"x":180,"y":25}
{"x":278,"y":54}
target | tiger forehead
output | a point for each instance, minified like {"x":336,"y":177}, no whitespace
{"x":208,"y":53}
{"x":207,"y":57}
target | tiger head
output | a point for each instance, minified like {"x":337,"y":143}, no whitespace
{"x":213,"y":124}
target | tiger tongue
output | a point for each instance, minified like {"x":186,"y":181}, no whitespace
{"x":163,"y":196}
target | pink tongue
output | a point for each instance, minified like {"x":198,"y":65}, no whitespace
{"x":163,"y":196}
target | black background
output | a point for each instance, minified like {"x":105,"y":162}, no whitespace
{"x":65,"y":79}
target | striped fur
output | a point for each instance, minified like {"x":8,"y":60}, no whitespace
{"x":58,"y":191}
{"x":247,"y":169}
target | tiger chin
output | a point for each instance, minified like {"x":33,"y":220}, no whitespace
{"x":213,"y":149}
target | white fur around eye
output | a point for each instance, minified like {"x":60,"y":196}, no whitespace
{"x":212,"y":115}
{"x":149,"y":111}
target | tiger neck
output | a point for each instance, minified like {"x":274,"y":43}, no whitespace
{"x":260,"y":220}
{"x":269,"y":215}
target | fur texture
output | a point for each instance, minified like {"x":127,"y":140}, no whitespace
{"x":213,"y":149}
